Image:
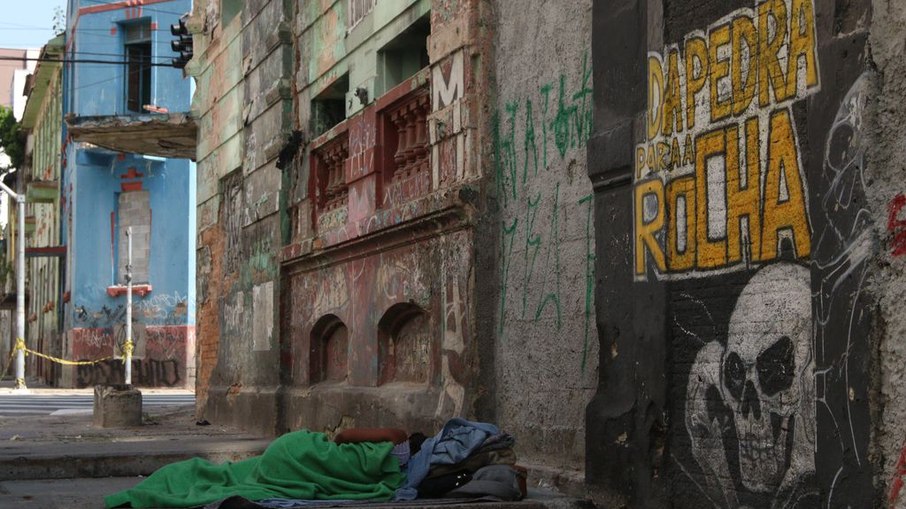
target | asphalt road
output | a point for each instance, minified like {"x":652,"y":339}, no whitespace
{"x":61,"y":402}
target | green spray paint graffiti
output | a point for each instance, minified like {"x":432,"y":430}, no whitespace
{"x":531,"y":179}
{"x":571,"y":125}
{"x":552,"y":297}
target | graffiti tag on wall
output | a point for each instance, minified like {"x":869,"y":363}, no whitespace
{"x":553,"y":122}
{"x":718,"y":181}
{"x":842,"y":250}
{"x":145,"y":372}
{"x":896,"y":225}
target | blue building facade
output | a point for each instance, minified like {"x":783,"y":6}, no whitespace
{"x":118,"y":74}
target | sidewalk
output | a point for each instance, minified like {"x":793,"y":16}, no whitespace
{"x":62,"y":461}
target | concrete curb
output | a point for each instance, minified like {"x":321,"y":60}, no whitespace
{"x":124,"y":459}
{"x":89,"y":494}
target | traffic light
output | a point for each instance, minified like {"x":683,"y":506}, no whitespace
{"x":182,"y":44}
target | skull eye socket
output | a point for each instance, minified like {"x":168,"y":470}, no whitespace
{"x":734,"y":375}
{"x":776,"y":367}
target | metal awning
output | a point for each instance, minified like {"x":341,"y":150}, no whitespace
{"x":155,"y":134}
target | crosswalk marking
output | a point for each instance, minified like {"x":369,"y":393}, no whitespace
{"x":36,"y":404}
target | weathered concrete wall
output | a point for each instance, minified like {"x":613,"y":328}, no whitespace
{"x":44,"y":313}
{"x":242,"y":100}
{"x":400,"y":297}
{"x":405,"y":355}
{"x":887,"y":177}
{"x":379,"y":303}
{"x":546,"y":346}
{"x":747,"y":293}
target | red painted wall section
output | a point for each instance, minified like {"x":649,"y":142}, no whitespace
{"x":164,"y":356}
{"x":896,"y":225}
{"x":413,"y":295}
{"x":360,"y":166}
{"x":387,"y":165}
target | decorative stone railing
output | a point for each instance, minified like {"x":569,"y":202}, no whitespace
{"x":330,"y":173}
{"x":408,"y":174}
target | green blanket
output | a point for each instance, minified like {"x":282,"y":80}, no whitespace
{"x":298,"y":465}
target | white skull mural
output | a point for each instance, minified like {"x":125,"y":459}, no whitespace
{"x":765,"y":379}
{"x":767,"y":374}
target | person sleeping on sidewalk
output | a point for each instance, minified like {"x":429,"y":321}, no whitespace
{"x":360,"y":465}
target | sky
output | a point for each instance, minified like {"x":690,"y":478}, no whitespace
{"x":27,"y":23}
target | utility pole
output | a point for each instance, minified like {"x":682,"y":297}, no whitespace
{"x":128,"y":346}
{"x":20,"y":287}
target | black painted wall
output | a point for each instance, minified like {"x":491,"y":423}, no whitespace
{"x":734,"y":316}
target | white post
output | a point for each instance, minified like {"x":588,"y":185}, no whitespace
{"x":20,"y":295}
{"x":128,"y":346}
{"x":20,"y":287}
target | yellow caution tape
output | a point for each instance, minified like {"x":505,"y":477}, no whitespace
{"x":66,"y":362}
{"x":128,"y":348}
{"x":20,"y":345}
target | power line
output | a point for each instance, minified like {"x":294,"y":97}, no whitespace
{"x":75,"y":54}
{"x":85,"y":61}
{"x":119,"y":55}
{"x":78,"y":29}
{"x":115,"y":78}
{"x":144,"y":8}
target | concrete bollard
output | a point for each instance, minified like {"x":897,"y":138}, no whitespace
{"x":117,"y":406}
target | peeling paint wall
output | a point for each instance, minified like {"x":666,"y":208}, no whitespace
{"x":43,"y":312}
{"x":429,"y":250}
{"x":269,"y":244}
{"x":242,"y":103}
{"x":379,"y":271}
{"x":546,"y":334}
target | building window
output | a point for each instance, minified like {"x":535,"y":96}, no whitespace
{"x":403,"y":56}
{"x":138,"y":65}
{"x":134,"y":210}
{"x":329,"y":107}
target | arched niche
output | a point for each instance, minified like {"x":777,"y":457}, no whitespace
{"x":329,"y":359}
{"x":404,"y":344}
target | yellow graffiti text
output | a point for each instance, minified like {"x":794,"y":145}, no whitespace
{"x":733,"y":209}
